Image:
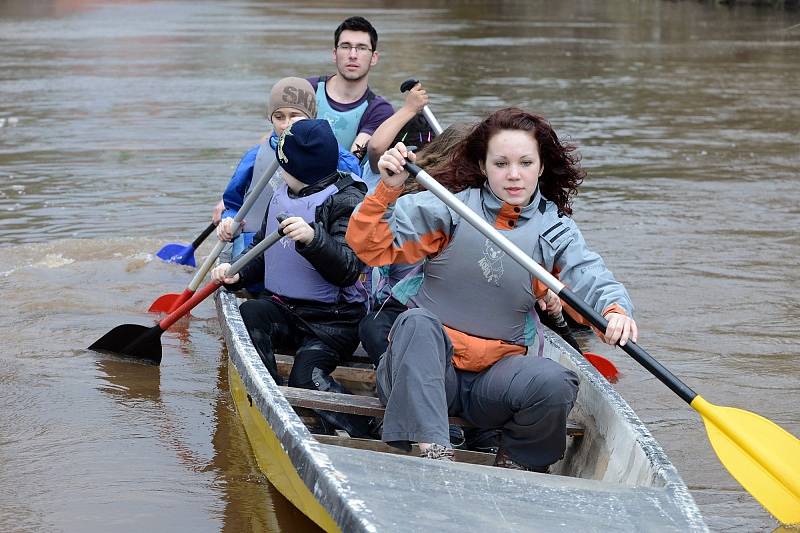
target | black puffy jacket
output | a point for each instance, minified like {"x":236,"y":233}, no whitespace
{"x":331,"y":256}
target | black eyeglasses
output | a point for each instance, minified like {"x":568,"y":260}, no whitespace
{"x":360,"y":48}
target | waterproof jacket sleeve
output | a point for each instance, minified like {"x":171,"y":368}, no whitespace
{"x":348,"y":162}
{"x":387,"y":228}
{"x":233,"y":197}
{"x":584,"y":271}
{"x":328,"y":251}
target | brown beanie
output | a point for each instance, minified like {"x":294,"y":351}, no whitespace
{"x":296,"y":93}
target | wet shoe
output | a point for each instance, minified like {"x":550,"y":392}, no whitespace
{"x":376,"y":428}
{"x":437,"y":452}
{"x":482,"y":440}
{"x":457,"y":438}
{"x":502,"y":460}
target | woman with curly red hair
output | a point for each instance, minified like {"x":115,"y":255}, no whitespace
{"x":462,"y":350}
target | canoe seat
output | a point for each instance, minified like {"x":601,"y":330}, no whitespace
{"x":461,"y":456}
{"x":358,"y":374}
{"x":368,"y":406}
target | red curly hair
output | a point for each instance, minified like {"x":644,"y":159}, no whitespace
{"x":562,"y":172}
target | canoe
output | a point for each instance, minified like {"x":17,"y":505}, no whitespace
{"x":614,"y":475}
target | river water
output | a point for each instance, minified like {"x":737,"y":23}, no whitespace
{"x":121,"y":122}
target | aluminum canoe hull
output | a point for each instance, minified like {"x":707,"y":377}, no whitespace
{"x":617,"y":477}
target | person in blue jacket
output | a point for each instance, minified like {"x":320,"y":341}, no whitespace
{"x":291,"y":99}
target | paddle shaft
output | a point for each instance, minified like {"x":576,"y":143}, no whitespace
{"x":631,"y":348}
{"x":426,"y":111}
{"x":209,"y":289}
{"x":206,"y":232}
{"x":437,"y":128}
{"x":251,"y":198}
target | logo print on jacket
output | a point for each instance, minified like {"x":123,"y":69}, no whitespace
{"x":492,"y":263}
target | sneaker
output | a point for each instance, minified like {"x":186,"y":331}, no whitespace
{"x":437,"y":452}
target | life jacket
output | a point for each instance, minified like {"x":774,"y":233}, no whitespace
{"x":343,"y":123}
{"x":264,"y":158}
{"x":476,"y":290}
{"x":289,"y":274}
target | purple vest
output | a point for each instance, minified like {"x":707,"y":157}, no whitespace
{"x":286,"y":272}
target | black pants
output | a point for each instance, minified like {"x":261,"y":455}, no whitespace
{"x":374,"y":328}
{"x":272,"y":327}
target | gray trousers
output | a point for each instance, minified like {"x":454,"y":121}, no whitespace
{"x":528,"y":397}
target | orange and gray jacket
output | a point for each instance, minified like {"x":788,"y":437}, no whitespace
{"x":484,"y":298}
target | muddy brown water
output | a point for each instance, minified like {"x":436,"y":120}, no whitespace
{"x":120,"y":124}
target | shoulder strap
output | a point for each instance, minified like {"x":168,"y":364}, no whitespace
{"x":370,"y":95}
{"x":344,"y":181}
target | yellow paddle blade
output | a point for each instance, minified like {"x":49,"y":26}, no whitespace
{"x":761,"y":455}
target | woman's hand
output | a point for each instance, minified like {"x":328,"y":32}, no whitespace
{"x":416,"y":99}
{"x":390,"y":165}
{"x":620,"y":329}
{"x":225,"y":229}
{"x":550,"y":303}
{"x":220,"y":273}
{"x":298,"y":230}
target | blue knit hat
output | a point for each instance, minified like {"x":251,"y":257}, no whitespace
{"x":308,"y":150}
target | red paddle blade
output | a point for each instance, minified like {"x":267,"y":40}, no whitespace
{"x":606,"y":368}
{"x":167,"y":303}
{"x":132,"y":340}
{"x":164,"y":303}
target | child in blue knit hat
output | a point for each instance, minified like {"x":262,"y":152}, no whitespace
{"x":314,"y":297}
{"x":291,"y":99}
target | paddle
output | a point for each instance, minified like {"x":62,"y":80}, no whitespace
{"x":606,"y":368}
{"x":761,"y":455}
{"x":181,"y":253}
{"x":426,"y":111}
{"x":141,"y":342}
{"x":166,"y":303}
{"x":603,"y":365}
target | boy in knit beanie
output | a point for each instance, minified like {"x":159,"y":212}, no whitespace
{"x":291,"y":99}
{"x":314,"y":295}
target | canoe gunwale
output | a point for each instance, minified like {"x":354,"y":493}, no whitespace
{"x":312,"y":464}
{"x":594,"y":386}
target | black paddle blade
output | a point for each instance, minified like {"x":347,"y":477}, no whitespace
{"x":132,"y":340}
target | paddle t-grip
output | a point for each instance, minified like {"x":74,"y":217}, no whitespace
{"x":426,"y":111}
{"x":408,"y":85}
{"x":281,"y":218}
{"x":411,"y":148}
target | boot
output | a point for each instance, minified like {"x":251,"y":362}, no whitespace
{"x":503,"y":460}
{"x":355,"y":425}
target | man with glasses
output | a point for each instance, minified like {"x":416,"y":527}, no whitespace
{"x":345,"y":99}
